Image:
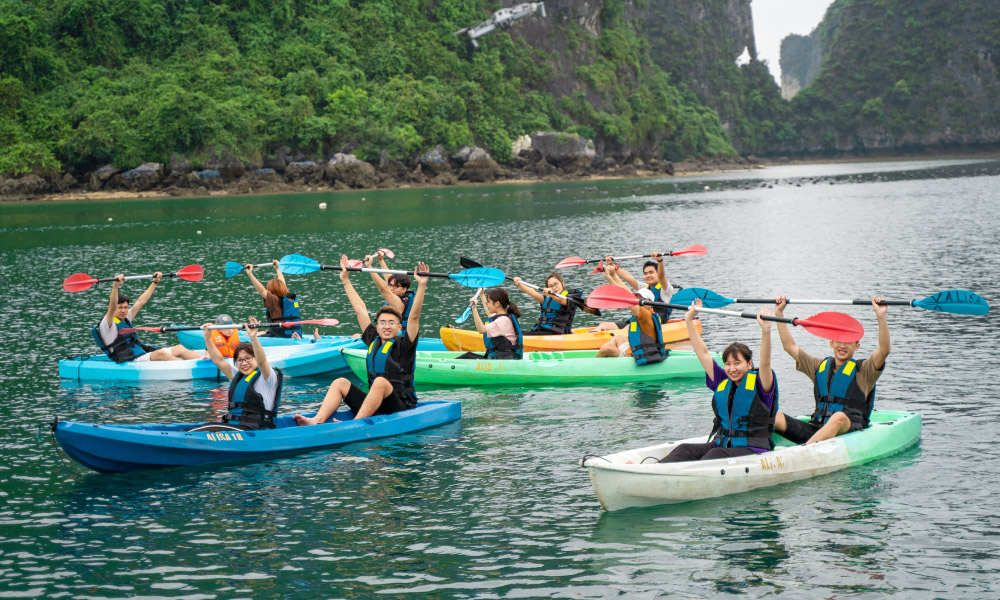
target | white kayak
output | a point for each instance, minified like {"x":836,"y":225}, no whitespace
{"x":623,"y":480}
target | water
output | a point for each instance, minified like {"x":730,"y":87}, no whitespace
{"x":495,"y":506}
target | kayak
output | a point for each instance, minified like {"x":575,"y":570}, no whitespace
{"x":195,"y":340}
{"x":294,"y":361}
{"x":121,"y":448}
{"x":464,"y":340}
{"x":619,"y":484}
{"x":538,"y":368}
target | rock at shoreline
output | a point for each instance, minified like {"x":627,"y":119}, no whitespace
{"x":30,"y":184}
{"x":225,"y":163}
{"x":306,"y":171}
{"x":479,"y":166}
{"x":564,"y":150}
{"x":280,"y":159}
{"x":140,"y":178}
{"x":100,"y":176}
{"x":436,"y":161}
{"x":350,"y":170}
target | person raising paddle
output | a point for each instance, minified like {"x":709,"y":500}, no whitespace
{"x":744,"y":399}
{"x":395,"y":289}
{"x":279,"y":304}
{"x":502,"y":335}
{"x":125,"y":348}
{"x":843,"y":388}
{"x":656,"y":282}
{"x":558,"y":309}
{"x":390,"y":358}
{"x":642,"y":335}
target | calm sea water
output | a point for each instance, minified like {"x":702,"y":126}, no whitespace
{"x":495,"y":506}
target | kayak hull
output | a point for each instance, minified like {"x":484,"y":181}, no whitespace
{"x":620,"y":485}
{"x":124,"y":448}
{"x":464,"y":340}
{"x":294,"y":361}
{"x":195,"y":340}
{"x":538,"y":368}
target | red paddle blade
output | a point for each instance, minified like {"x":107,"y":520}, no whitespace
{"x":573,"y":261}
{"x":128,"y":330}
{"x":597,"y":269}
{"x":78,"y":282}
{"x":191,"y":273}
{"x":695,"y":250}
{"x":387,"y":252}
{"x":611,"y":296}
{"x":355,"y":263}
{"x":321,"y":322}
{"x":834,"y":326}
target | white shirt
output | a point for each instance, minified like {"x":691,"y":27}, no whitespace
{"x":109,"y":331}
{"x":267,"y":388}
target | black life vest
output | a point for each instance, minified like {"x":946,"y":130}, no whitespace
{"x":289,"y":312}
{"x":124,"y":347}
{"x":407,"y":299}
{"x":398,"y":370}
{"x":837,"y":390}
{"x":741,"y":417}
{"x":500,"y":347}
{"x":646,"y":350}
{"x":555,"y":317}
{"x":246,"y":405}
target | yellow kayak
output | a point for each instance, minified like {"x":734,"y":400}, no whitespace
{"x":463,"y":340}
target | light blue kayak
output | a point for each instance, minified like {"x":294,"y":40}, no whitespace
{"x":195,"y":340}
{"x":122,"y":448}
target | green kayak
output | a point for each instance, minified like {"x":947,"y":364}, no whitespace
{"x":538,"y":368}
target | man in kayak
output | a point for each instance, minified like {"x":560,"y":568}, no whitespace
{"x":656,"y":282}
{"x":642,"y":335}
{"x":395,"y":289}
{"x":390,"y":360}
{"x":126,"y":348}
{"x":279,"y":304}
{"x":844,"y":388}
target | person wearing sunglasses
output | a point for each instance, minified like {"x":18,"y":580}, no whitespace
{"x":391,"y":358}
{"x":254,"y":387}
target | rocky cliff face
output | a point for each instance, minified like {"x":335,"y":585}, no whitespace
{"x":801,"y":60}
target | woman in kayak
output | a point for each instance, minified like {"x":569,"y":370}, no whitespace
{"x":641,"y":337}
{"x":502,"y":335}
{"x":279,"y":304}
{"x":395,"y":289}
{"x":390,"y":360}
{"x":745,"y":399}
{"x":254,"y":387}
{"x":558,"y":306}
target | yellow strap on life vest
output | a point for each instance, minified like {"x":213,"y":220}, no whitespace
{"x":385,"y":349}
{"x":633,"y":326}
{"x":722,"y":386}
{"x":371,"y":345}
{"x":295,"y":304}
{"x":849,"y":367}
{"x":117,"y":320}
{"x":822,"y":366}
{"x":751,"y":381}
{"x":248,"y":377}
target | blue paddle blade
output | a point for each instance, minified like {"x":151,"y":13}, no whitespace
{"x":465,"y":315}
{"x":296,"y":264}
{"x":709,"y":299}
{"x":233,"y":269}
{"x":960,"y":302}
{"x":482,"y":277}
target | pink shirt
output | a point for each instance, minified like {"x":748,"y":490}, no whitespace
{"x":505,"y":327}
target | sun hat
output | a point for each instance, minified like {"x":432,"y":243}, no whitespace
{"x":647,"y":294}
{"x":223,"y":319}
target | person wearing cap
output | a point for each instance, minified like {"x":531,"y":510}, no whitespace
{"x":225,"y":340}
{"x":642,"y":335}
{"x":843,"y":388}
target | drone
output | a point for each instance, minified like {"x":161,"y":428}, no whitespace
{"x":503,"y":19}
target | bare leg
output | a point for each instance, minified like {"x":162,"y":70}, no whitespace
{"x":610,"y":349}
{"x":331,"y":402}
{"x":381,"y":388}
{"x":837,"y":425}
{"x":162,"y":354}
{"x":180,"y":351}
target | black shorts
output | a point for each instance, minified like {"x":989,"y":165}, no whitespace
{"x":799,"y":432}
{"x":705,"y":451}
{"x":390,"y":404}
{"x":542,"y":332}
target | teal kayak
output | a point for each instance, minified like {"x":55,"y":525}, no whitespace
{"x":634,"y":478}
{"x":538,"y":368}
{"x":195,"y":340}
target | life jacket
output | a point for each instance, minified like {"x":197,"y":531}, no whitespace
{"x":500,"y":347}
{"x":289,"y":312}
{"x":646,"y":350}
{"x":407,"y":299}
{"x":748,"y":422}
{"x":381,"y":363}
{"x":226,"y":345}
{"x":246,"y":405}
{"x":124,"y":347}
{"x":836,"y":390}
{"x":662,"y":312}
{"x":555,"y":317}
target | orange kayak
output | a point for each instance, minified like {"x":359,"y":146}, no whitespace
{"x":581,"y":339}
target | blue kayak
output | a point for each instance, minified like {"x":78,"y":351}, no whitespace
{"x":122,"y":448}
{"x":195,"y":340}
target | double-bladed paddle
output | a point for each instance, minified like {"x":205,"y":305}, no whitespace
{"x":296,"y":264}
{"x":81,"y":281}
{"x":468,"y":309}
{"x":361,"y":263}
{"x":576,"y":261}
{"x":959,"y":302}
{"x":286,"y":325}
{"x":829,"y":325}
{"x":469,"y":263}
{"x":234,"y":268}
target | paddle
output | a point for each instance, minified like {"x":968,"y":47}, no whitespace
{"x":468,"y":309}
{"x":829,"y":325}
{"x":471,"y":264}
{"x":81,"y":281}
{"x":234,"y":268}
{"x":960,"y":302}
{"x":286,"y":325}
{"x":361,"y":263}
{"x":296,"y":264}
{"x":576,"y":261}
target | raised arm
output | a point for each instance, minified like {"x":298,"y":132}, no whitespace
{"x":413,"y":321}
{"x":256,"y":284}
{"x":258,"y":350}
{"x":766,"y":375}
{"x":360,"y":310}
{"x":145,"y":296}
{"x":529,"y":291}
{"x":627,"y":277}
{"x":787,"y":341}
{"x":610,"y":273}
{"x":480,"y":327}
{"x":383,"y":287}
{"x":700,"y":349}
{"x":113,"y":300}
{"x":213,"y":353}
{"x":661,"y":274}
{"x":878,"y":356}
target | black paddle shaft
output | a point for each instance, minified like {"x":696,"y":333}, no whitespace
{"x":468,"y":263}
{"x":744,"y":314}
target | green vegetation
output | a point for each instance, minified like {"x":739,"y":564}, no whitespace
{"x":88,"y":82}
